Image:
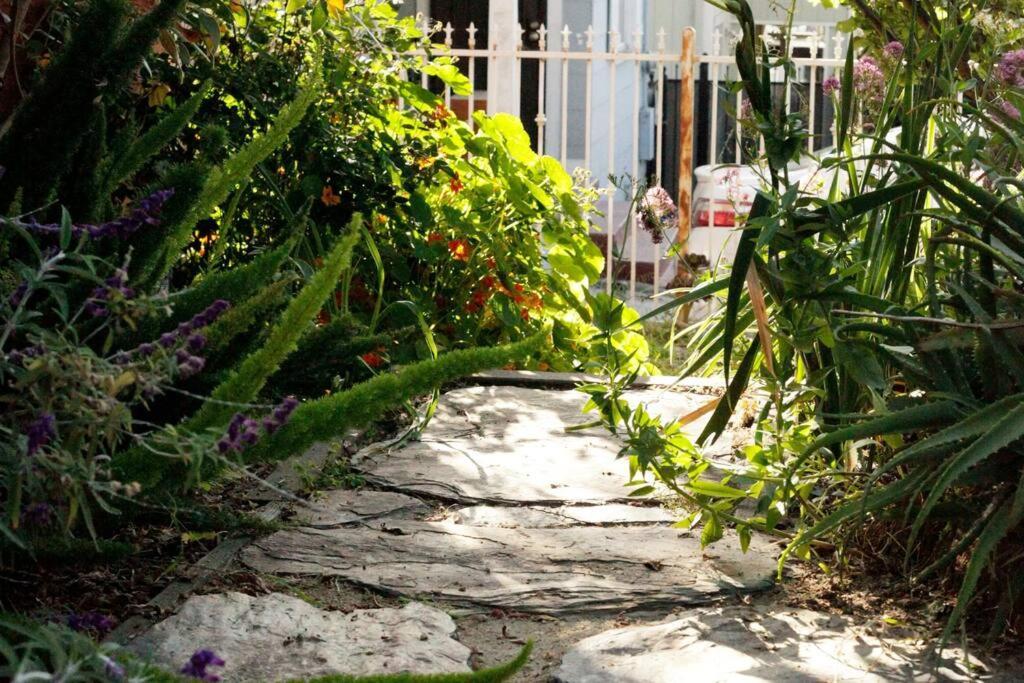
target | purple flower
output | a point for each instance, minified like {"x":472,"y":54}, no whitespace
{"x":146,"y":213}
{"x":146,"y":349}
{"x":188,"y":365}
{"x":18,"y":295}
{"x":280,"y":415}
{"x":208,"y":316}
{"x":94,"y":622}
{"x":658,"y":213}
{"x":831,"y":85}
{"x":38,"y":515}
{"x":868,"y":79}
{"x":242,"y":431}
{"x":1007,"y":108}
{"x":893,"y":50}
{"x":195,"y":342}
{"x":198,"y":663}
{"x":167,"y":340}
{"x":18,"y":356}
{"x":115,"y":285}
{"x":40,"y":432}
{"x":1010,"y":68}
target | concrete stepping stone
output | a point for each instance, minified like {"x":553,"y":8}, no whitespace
{"x":550,"y":570}
{"x":275,"y":637}
{"x":508,"y":445}
{"x":756,"y":644}
{"x":615,"y":514}
{"x":337,"y":508}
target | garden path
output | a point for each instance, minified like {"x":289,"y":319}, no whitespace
{"x":500,"y":518}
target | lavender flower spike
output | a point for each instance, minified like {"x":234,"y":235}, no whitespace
{"x":40,"y":432}
{"x":199,"y":662}
{"x":146,"y":213}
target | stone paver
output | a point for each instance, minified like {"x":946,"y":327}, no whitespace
{"x":549,"y":570}
{"x":274,"y":637}
{"x":337,"y":508}
{"x":536,"y":517}
{"x":754,"y":644}
{"x":508,"y":445}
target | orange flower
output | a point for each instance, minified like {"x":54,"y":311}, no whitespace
{"x":460,"y":250}
{"x":435,"y":238}
{"x":328,"y":198}
{"x":440,"y":113}
{"x":373,"y":359}
{"x":455,"y":184}
{"x":491,"y":263}
{"x":158,"y":94}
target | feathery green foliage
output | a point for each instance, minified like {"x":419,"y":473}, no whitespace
{"x":124,"y":165}
{"x":233,"y":285}
{"x":252,"y":313}
{"x":222,"y":179}
{"x":150,"y":247}
{"x":52,"y":120}
{"x":316,"y":364}
{"x":330,"y":416}
{"x":245,"y":383}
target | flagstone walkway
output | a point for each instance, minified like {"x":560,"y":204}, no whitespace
{"x":498,"y":511}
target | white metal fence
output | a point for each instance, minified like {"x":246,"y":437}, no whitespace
{"x":619,"y":84}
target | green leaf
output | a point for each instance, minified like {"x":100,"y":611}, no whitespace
{"x":320,"y":16}
{"x":723,"y":412}
{"x":738,"y":278}
{"x":712,"y":530}
{"x":743,"y":531}
{"x":715,"y":489}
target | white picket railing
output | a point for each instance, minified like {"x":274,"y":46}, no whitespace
{"x":554,"y":54}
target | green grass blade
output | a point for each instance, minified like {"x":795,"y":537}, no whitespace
{"x":738,"y":278}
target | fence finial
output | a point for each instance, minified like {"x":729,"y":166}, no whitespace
{"x":662,"y":35}
{"x":589,"y":33}
{"x":638,"y":40}
{"x":471,"y":41}
{"x":716,"y":42}
{"x":613,"y":40}
{"x":542,"y":37}
{"x":837,"y":46}
{"x":566,"y":35}
{"x":448,"y":31}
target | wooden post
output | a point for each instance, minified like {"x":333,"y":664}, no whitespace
{"x":685,"y":175}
